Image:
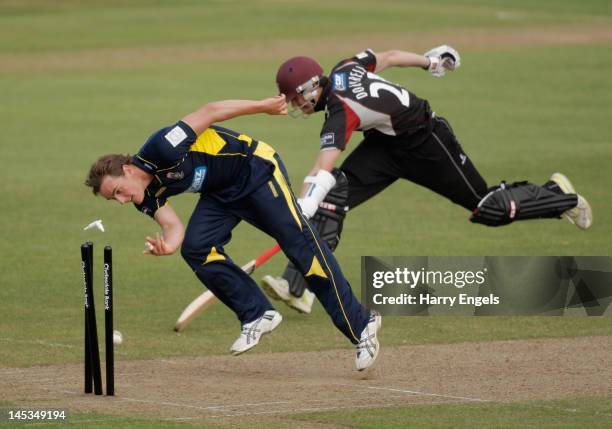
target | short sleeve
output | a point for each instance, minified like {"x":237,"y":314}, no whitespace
{"x":165,"y":148}
{"x":339,"y":125}
{"x":367,"y":59}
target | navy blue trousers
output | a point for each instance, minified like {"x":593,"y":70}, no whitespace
{"x":271,"y":208}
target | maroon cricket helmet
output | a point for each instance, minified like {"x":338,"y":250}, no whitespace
{"x":294,"y":72}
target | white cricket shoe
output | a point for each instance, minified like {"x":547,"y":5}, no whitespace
{"x":368,"y":346}
{"x":581,"y":215}
{"x":302,"y":304}
{"x":253,"y":331}
{"x":278,"y":288}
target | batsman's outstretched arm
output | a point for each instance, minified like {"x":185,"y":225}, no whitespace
{"x":436,"y":61}
{"x":397,"y":58}
{"x":172,"y":234}
{"x":218,"y":111}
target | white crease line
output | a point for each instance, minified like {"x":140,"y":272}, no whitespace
{"x":298,"y":410}
{"x":414,"y":392}
{"x":215,"y":407}
{"x":313,"y":409}
{"x":15,"y":371}
{"x":250,"y":405}
{"x":428,"y":394}
{"x":50,"y":344}
{"x":236,"y":414}
{"x":174,"y":404}
{"x":36,"y":381}
{"x":180,"y":419}
{"x":171,"y":404}
{"x":38,"y":342}
{"x":275,"y":412}
{"x":247,"y":413}
{"x":62,"y":391}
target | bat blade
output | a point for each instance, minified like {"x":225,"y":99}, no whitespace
{"x":198,"y":305}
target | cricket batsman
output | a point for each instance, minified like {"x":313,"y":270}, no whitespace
{"x":403,"y":138}
{"x":238,"y":178}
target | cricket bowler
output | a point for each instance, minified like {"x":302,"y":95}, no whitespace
{"x":238,"y":178}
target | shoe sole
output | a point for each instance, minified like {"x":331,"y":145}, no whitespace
{"x":293,"y":303}
{"x":586,"y":207}
{"x":563,"y":182}
{"x":566,"y":186}
{"x":271,"y":292}
{"x":274,"y":326}
{"x":296,"y":308}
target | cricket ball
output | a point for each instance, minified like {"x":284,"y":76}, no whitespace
{"x":117,"y":337}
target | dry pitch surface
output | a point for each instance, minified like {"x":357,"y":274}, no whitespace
{"x":253,"y":389}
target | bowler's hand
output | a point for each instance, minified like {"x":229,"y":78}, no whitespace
{"x":157,"y":246}
{"x":275,"y":105}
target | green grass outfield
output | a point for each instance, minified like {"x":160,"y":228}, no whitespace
{"x":80,"y":79}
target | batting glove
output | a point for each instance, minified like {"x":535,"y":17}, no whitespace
{"x":441,"y":59}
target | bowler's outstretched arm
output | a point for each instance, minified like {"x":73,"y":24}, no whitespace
{"x":218,"y":111}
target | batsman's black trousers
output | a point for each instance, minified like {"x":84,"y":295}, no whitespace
{"x":437,"y":163}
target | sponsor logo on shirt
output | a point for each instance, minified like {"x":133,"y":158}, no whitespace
{"x":327,"y":140}
{"x":175,"y":136}
{"x":199,"y":175}
{"x":339,"y":80}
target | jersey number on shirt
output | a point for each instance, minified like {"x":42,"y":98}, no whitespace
{"x":381,"y":84}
